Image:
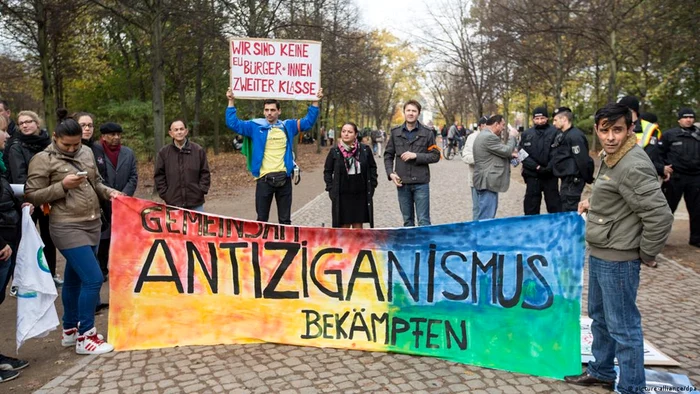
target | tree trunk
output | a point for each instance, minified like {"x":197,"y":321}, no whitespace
{"x":612,"y":81}
{"x":559,"y":73}
{"x":526,"y":124}
{"x":46,"y":86}
{"x":198,"y":86}
{"x":158,"y":80}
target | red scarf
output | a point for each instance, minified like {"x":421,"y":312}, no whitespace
{"x":351,"y":154}
{"x":112,"y":152}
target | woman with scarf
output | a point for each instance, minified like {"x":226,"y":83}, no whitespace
{"x":31,"y":140}
{"x":65,"y":176}
{"x":350,"y":174}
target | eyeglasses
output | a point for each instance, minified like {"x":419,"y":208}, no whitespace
{"x":87,"y":125}
{"x":30,"y":121}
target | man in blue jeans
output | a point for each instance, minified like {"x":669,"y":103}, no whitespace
{"x":414,"y":147}
{"x":628,"y":223}
{"x":268,"y":149}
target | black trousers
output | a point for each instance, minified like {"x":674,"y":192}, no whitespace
{"x":49,"y":247}
{"x":283,"y":196}
{"x":103,"y":255}
{"x":570,"y":193}
{"x":533,"y":195}
{"x":687,"y":186}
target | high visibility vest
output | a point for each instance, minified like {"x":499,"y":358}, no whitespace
{"x":649,"y":131}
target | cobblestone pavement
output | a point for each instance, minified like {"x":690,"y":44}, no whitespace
{"x":667,"y":299}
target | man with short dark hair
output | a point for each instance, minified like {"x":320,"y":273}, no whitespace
{"x":414,"y":147}
{"x":627,"y":224}
{"x":269,"y":153}
{"x":679,"y":149}
{"x":537,"y":166}
{"x":492,"y":165}
{"x":570,"y":159}
{"x":182,"y":175}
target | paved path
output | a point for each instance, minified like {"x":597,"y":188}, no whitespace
{"x":667,"y":298}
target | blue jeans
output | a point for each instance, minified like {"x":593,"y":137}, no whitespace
{"x":475,"y":204}
{"x":81,"y":287}
{"x":617,"y":324}
{"x":488,"y":204}
{"x":418,"y":194}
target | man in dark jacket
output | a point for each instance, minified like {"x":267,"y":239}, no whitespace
{"x":648,"y":133}
{"x":12,"y":129}
{"x":182,"y":175}
{"x":680,"y":151}
{"x":570,"y":159}
{"x":120,"y":173}
{"x":414,"y":147}
{"x":537,"y":169}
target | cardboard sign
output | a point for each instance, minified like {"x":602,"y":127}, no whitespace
{"x":502,"y":293}
{"x":279,"y":69}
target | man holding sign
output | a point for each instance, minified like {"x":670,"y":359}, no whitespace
{"x":270,"y":157}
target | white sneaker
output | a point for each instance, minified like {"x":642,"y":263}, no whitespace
{"x":90,"y":343}
{"x":70,"y":336}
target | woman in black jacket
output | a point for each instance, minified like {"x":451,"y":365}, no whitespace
{"x":350,"y":174}
{"x":31,"y":140}
{"x":10,"y":223}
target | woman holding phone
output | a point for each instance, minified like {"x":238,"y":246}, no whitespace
{"x":65,"y":176}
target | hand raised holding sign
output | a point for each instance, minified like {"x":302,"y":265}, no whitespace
{"x":230,"y":96}
{"x":319,"y":95}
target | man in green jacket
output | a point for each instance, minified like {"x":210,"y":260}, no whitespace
{"x":628,"y":224}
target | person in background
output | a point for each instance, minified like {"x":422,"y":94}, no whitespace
{"x":537,"y":169}
{"x":648,"y":133}
{"x":680,"y":152}
{"x":182,"y":175}
{"x":492,"y":164}
{"x":570,"y":159}
{"x":350,"y":174}
{"x":120,"y":174}
{"x":64,"y":175}
{"x":468,"y":158}
{"x":12,"y":129}
{"x":10,"y":224}
{"x":627,"y":224}
{"x":31,"y":140}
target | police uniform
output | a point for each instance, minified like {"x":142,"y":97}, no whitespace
{"x":572,"y":164}
{"x":680,"y":148}
{"x":648,"y":133}
{"x":537,"y":142}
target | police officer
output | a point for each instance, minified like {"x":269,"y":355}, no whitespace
{"x":570,"y":159}
{"x":537,"y":170}
{"x":680,"y":151}
{"x":648,"y":133}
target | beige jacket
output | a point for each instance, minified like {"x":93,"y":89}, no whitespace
{"x":44,"y":185}
{"x":492,"y":162}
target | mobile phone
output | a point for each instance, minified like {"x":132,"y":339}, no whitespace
{"x":81,"y":173}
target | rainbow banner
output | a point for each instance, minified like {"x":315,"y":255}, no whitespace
{"x":502,"y":294}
